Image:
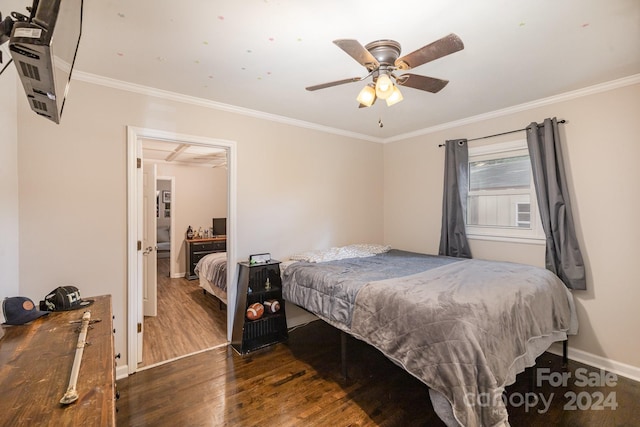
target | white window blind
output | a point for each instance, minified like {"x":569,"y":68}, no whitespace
{"x":501,"y":204}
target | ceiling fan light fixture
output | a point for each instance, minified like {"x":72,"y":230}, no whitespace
{"x":367,"y":95}
{"x":382,"y":57}
{"x":396,"y":96}
{"x":384,"y":86}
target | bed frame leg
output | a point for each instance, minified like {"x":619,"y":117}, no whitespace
{"x":565,"y":352}
{"x":343,"y":353}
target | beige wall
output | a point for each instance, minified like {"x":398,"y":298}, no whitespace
{"x":200,"y":195}
{"x":602,"y":152}
{"x":297,"y":188}
{"x":9,"y":221}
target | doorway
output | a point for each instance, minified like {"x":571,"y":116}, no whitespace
{"x":135,"y":156}
{"x":182,"y":319}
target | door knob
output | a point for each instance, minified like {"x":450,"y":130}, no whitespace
{"x":148,"y":250}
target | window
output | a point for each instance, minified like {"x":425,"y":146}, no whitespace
{"x":523,"y":215}
{"x":501,"y":204}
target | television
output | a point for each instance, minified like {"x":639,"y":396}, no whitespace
{"x":219,"y":226}
{"x":43,"y":47}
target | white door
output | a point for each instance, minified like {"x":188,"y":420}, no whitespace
{"x":149,"y":241}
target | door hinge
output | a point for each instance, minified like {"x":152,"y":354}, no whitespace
{"x":139,"y":245}
{"x":138,"y":163}
{"x":139,"y":327}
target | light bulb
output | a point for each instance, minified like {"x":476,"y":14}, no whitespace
{"x":395,"y":97}
{"x":384,"y":86}
{"x":366,"y":96}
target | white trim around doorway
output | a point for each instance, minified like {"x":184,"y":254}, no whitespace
{"x":134,"y":202}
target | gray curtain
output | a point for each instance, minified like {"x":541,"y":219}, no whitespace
{"x":563,"y":255}
{"x":453,"y":236}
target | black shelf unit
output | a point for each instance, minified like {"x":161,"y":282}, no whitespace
{"x":251,"y":335}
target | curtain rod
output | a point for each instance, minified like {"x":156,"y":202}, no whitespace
{"x":503,"y":133}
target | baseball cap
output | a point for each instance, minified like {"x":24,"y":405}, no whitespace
{"x":20,"y":310}
{"x":64,"y":298}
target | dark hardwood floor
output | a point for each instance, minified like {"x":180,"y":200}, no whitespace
{"x":188,"y":320}
{"x":299,"y":383}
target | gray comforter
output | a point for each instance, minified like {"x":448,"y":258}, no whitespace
{"x":329,"y":289}
{"x":458,"y":327}
{"x":213,"y":267}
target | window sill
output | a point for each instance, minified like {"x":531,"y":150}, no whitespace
{"x":525,"y":240}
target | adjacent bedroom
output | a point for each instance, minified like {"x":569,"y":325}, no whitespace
{"x":191,"y":195}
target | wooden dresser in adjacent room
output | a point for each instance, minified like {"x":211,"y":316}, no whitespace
{"x":35,"y":366}
{"x":198,"y":248}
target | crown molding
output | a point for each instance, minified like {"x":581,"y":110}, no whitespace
{"x":590,"y":90}
{"x":173,"y":96}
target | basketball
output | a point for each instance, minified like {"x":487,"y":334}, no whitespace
{"x":255,"y":311}
{"x":272,"y":305}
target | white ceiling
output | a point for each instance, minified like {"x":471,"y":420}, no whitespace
{"x":183,"y":154}
{"x":261,"y":54}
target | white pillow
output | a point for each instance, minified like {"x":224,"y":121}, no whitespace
{"x":371,"y":248}
{"x":359,"y":250}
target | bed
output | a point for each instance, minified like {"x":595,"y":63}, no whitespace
{"x":463,"y":327}
{"x":212,"y":274}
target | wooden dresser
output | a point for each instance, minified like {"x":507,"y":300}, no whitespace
{"x":35,"y":366}
{"x":198,"y":248}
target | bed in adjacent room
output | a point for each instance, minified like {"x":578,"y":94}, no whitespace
{"x":463,"y":327}
{"x":212,"y":274}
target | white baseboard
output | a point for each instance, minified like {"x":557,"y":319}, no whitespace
{"x":618,"y":368}
{"x":122,"y":372}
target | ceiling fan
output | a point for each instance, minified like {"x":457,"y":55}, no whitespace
{"x":382,"y":59}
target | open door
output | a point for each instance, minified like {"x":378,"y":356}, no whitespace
{"x":149,"y":241}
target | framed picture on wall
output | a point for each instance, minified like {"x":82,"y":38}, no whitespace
{"x":166,"y":196}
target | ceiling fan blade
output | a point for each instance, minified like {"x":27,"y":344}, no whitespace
{"x":358,"y":52}
{"x":335,"y":83}
{"x":416,"y":81}
{"x":439,"y":48}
